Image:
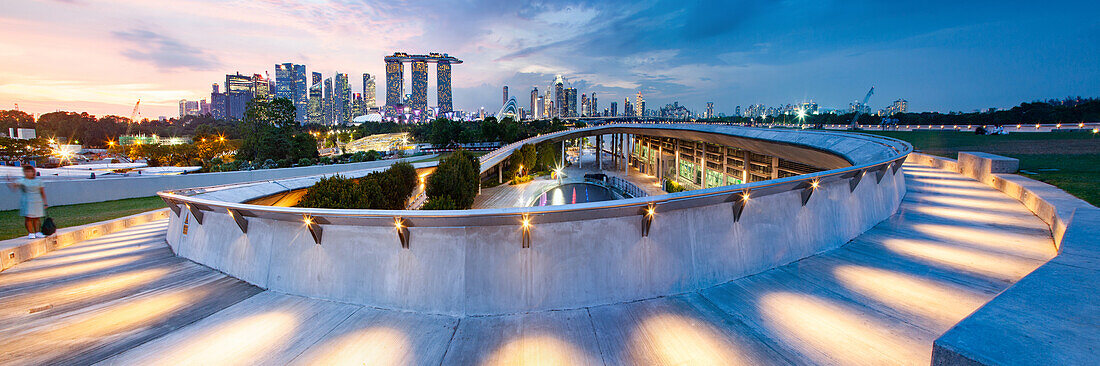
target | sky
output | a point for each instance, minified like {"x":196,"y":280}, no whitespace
{"x":101,"y":56}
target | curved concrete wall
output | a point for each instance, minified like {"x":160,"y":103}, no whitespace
{"x":580,"y":257}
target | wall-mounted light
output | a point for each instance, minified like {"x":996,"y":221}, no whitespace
{"x":402,"y":231}
{"x":854,"y":181}
{"x":881,"y":172}
{"x":526,"y":224}
{"x":314,"y":226}
{"x":898,"y":163}
{"x":808,"y":189}
{"x":239,"y":219}
{"x":196,"y":212}
{"x":739,"y":201}
{"x":647,"y":218}
{"x":174,"y":206}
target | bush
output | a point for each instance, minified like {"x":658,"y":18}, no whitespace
{"x":386,"y":190}
{"x":455,"y":182}
{"x":334,"y":192}
{"x":304,"y":162}
{"x":672,"y":187}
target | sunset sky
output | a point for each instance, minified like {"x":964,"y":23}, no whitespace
{"x":101,"y":56}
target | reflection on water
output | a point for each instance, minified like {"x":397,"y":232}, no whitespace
{"x":573,"y":193}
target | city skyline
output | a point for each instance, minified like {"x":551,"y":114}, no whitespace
{"x":938,"y":56}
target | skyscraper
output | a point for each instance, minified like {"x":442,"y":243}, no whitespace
{"x":614,"y":109}
{"x":639,"y":105}
{"x":547,"y":105}
{"x":217,"y":102}
{"x":329,"y":105}
{"x":395,"y":82}
{"x":419,"y":100}
{"x":342,"y":99}
{"x":316,"y":78}
{"x":594,"y":107}
{"x":559,"y":96}
{"x":368,"y":91}
{"x":628,"y":109}
{"x":504,"y":100}
{"x":261,"y":88}
{"x":570,"y":102}
{"x":301,"y":94}
{"x":535,"y":103}
{"x":710,"y":110}
{"x":443,"y":86}
{"x":284,"y":81}
{"x":584,"y":104}
{"x":316,"y":114}
{"x":238,"y":92}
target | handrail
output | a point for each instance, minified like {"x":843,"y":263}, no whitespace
{"x":512,"y":216}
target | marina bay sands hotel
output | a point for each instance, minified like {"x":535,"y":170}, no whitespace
{"x":418,"y":100}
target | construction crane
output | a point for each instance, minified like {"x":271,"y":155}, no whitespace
{"x":134,"y":113}
{"x":859,"y":109}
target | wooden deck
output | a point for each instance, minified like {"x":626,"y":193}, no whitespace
{"x":880,"y":299}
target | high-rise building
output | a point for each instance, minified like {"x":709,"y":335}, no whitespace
{"x":316,"y":98}
{"x":737,"y":111}
{"x":504,"y":100}
{"x":262,"y":88}
{"x":570,"y":102}
{"x":547,"y":105}
{"x":614,"y":109}
{"x":284,"y":81}
{"x":342,"y":99}
{"x":559,"y":96}
{"x":301,"y":94}
{"x":710,"y":110}
{"x":584,"y":104}
{"x":443,"y":86}
{"x":290,"y":84}
{"x":639,"y":105}
{"x":189,"y":108}
{"x":217,"y":102}
{"x":238,"y":92}
{"x":628,"y":109}
{"x":316,"y":78}
{"x":328,"y":105}
{"x":395,"y":82}
{"x":419,"y":100}
{"x":204,"y":107}
{"x":368,"y":91}
{"x":535,"y":103}
{"x":593,"y":106}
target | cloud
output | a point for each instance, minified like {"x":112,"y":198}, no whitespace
{"x":165,"y":52}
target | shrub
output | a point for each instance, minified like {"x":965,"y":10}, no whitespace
{"x":672,"y":186}
{"x":334,"y":192}
{"x":388,"y":190}
{"x":455,"y":179}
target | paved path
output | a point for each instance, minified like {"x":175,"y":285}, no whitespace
{"x":881,"y":299}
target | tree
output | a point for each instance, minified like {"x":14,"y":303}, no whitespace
{"x":454,"y":183}
{"x":334,"y":192}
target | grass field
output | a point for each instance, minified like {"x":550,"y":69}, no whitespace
{"x":1068,"y":160}
{"x":446,"y":154}
{"x":11,"y":224}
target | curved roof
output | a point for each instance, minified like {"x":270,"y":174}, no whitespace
{"x":509,"y":109}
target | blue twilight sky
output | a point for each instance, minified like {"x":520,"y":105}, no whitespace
{"x":102,"y":55}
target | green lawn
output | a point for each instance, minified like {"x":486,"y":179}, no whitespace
{"x":446,"y":154}
{"x":11,"y":224}
{"x":1068,"y":160}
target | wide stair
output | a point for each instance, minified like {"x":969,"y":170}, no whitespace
{"x":881,"y":299}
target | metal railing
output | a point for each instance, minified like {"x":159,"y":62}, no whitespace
{"x":853,"y":175}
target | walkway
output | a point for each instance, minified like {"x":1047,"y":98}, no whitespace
{"x":881,"y":299}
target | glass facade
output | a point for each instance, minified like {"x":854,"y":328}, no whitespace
{"x":443,"y":86}
{"x":419,"y":98}
{"x":395,"y":82}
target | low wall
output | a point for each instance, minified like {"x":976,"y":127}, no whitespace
{"x":18,"y":250}
{"x":1052,"y":315}
{"x":68,"y":192}
{"x":480,"y":270}
{"x":475,"y":262}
